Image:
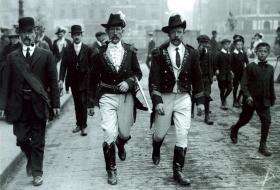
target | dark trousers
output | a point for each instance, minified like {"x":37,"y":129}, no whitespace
{"x":225,"y":87}
{"x":236,"y":84}
{"x":30,"y":133}
{"x":80,"y":102}
{"x":246,"y":115}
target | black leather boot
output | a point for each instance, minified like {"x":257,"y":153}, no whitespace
{"x":109,"y":151}
{"x":156,"y":152}
{"x":120,"y":145}
{"x":264,"y":150}
{"x":178,"y":165}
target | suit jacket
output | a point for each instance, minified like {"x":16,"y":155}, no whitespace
{"x":77,"y":67}
{"x":56,"y":53}
{"x":104,"y":71}
{"x":258,"y":82}
{"x":224,"y":66}
{"x":162,"y":78}
{"x":44,"y":68}
{"x":207,"y":64}
{"x":238,"y":63}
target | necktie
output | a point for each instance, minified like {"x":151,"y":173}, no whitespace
{"x":178,"y":61}
{"x":28,"y":57}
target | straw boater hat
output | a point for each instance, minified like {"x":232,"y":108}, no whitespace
{"x":60,"y":29}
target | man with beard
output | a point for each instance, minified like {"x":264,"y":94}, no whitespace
{"x":206,"y":60}
{"x":174,"y":72}
{"x":115,"y":69}
{"x":29,"y":71}
{"x":76,"y":62}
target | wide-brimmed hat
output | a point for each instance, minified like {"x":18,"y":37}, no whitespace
{"x":174,"y":21}
{"x":203,"y":38}
{"x":76,"y":29}
{"x":60,"y":29}
{"x":26,"y":24}
{"x":115,"y":20}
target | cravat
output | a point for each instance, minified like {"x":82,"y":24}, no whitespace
{"x":178,"y":61}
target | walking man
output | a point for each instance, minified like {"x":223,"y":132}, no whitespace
{"x":115,"y":69}
{"x":29,"y":71}
{"x":151,"y":46}
{"x":76,"y":62}
{"x":174,"y":72}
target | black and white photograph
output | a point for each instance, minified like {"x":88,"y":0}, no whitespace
{"x":139,"y":94}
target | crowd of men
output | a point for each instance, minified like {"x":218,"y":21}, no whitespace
{"x":106,"y":75}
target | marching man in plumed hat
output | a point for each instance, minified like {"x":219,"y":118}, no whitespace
{"x":174,"y":75}
{"x":115,"y":70}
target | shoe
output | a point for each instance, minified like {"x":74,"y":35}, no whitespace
{"x":233,"y":135}
{"x":83,"y":132}
{"x":37,"y":180}
{"x":28,"y":168}
{"x":76,"y":130}
{"x":208,"y":121}
{"x":112,"y":177}
{"x":178,"y":165}
{"x":236,"y":104}
{"x":121,"y":150}
{"x":264,"y":150}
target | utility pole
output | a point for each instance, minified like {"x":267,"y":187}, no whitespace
{"x":20,"y":8}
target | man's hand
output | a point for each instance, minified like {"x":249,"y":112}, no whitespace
{"x":56,"y":112}
{"x":200,"y":108}
{"x":123,"y":86}
{"x":2,"y":113}
{"x":91,"y":111}
{"x":160,"y":109}
{"x":249,"y":101}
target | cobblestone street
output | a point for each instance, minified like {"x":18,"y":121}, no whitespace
{"x":212,"y":161}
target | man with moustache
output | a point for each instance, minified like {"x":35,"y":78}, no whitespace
{"x":76,"y":62}
{"x":174,"y":75}
{"x":115,"y":69}
{"x":29,"y":71}
{"x":60,"y":44}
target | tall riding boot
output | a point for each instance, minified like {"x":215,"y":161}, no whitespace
{"x":120,"y":145}
{"x":109,"y":151}
{"x":156,"y":152}
{"x":207,"y":119}
{"x":178,"y":165}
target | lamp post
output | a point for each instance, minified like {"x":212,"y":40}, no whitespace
{"x":20,"y":8}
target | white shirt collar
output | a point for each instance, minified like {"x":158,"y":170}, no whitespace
{"x":78,"y":45}
{"x":117,"y":45}
{"x":31,"y":49}
{"x":173,"y":47}
{"x":99,"y":43}
{"x":237,"y":52}
{"x":224,"y":51}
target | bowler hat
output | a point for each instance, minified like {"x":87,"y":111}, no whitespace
{"x":114,"y":20}
{"x":76,"y":29}
{"x":26,"y":24}
{"x":203,"y":38}
{"x":174,"y":21}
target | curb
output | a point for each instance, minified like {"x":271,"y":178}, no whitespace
{"x":11,"y":168}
